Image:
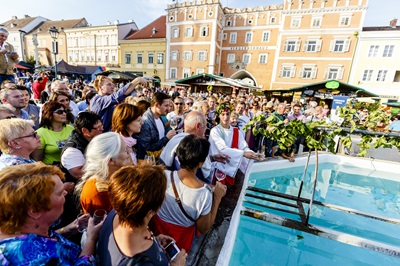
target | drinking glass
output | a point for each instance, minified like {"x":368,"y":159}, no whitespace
{"x":99,"y":215}
{"x":173,"y":123}
{"x":150,"y":159}
{"x":219,"y":175}
{"x":83,"y":220}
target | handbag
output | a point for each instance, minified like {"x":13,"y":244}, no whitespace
{"x":178,"y":200}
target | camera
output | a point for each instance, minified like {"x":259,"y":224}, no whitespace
{"x":172,"y":251}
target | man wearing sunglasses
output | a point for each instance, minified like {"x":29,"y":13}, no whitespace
{"x":177,"y":114}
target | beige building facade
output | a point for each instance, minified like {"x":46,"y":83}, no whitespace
{"x":376,"y":65}
{"x":97,"y":45}
{"x":280,"y":46}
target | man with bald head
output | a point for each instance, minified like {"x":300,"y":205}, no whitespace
{"x":194,"y":123}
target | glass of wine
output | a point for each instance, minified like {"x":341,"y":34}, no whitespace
{"x":173,"y":123}
{"x":219,"y":175}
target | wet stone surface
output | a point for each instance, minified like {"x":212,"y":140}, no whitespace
{"x":207,"y":247}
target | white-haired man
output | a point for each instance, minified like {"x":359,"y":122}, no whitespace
{"x":8,"y":57}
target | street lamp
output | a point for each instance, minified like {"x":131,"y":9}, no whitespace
{"x":54,"y":35}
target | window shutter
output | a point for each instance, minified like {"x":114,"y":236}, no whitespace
{"x":326,"y":75}
{"x":281,"y":72}
{"x":301,"y":72}
{"x":305,"y":47}
{"x":314,"y":73}
{"x":332,"y":45}
{"x":205,"y":56}
{"x":340,"y":73}
{"x":319,"y":44}
{"x":293,"y":72}
{"x":346,"y":45}
{"x":297,"y":48}
{"x":285,"y":46}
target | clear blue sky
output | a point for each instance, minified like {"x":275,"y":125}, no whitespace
{"x":99,"y":12}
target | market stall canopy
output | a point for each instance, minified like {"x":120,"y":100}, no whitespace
{"x":65,"y":68}
{"x":118,"y":75}
{"x":209,"y":79}
{"x":23,"y":65}
{"x":325,"y":88}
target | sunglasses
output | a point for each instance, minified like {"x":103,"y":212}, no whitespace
{"x":11,"y":116}
{"x":189,"y":103}
{"x":60,"y":111}
{"x":178,"y":103}
{"x":33,"y":135}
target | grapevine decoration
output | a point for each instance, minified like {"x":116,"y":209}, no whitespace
{"x":320,"y":135}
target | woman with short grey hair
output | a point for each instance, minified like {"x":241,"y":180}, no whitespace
{"x":105,"y":154}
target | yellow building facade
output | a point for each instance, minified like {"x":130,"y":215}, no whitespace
{"x":279,"y":46}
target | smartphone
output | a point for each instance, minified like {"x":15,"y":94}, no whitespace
{"x":172,"y":250}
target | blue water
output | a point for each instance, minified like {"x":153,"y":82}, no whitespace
{"x":262,"y":243}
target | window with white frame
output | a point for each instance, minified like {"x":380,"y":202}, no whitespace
{"x":316,"y":22}
{"x":139,"y":59}
{"x":295,"y":22}
{"x":334,"y":72}
{"x":160,"y":58}
{"x":231,"y":58}
{"x":233,"y":37}
{"x":340,"y":45}
{"x":70,"y":58}
{"x":202,"y":55}
{"x":249,"y":37}
{"x":224,"y":36}
{"x":265,"y":36}
{"x":187,"y":55}
{"x":272,"y":20}
{"x":388,"y":51}
{"x":172,"y":72}
{"x":292,"y":45}
{"x":287,"y":71}
{"x":175,"y":32}
{"x":308,"y":72}
{"x":373,"y":51}
{"x":186,"y":73}
{"x":228,"y":23}
{"x":174,"y":55}
{"x":246,"y":58}
{"x":150,"y":58}
{"x":367,"y":75}
{"x":381,"y":75}
{"x":345,"y":20}
{"x":262,"y":58}
{"x":199,"y":71}
{"x":189,"y":32}
{"x":204,"y":31}
{"x":313,"y":45}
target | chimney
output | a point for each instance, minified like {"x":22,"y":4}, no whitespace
{"x":14,"y":17}
{"x":393,"y":23}
{"x":26,"y":16}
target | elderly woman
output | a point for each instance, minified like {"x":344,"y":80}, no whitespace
{"x":105,"y":154}
{"x":6,"y":111}
{"x":54,"y":132}
{"x":31,"y":200}
{"x":126,"y":121}
{"x":229,"y":140}
{"x":125,"y":238}
{"x":199,"y":204}
{"x":17,"y":141}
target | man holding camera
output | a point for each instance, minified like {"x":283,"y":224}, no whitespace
{"x":7,"y":57}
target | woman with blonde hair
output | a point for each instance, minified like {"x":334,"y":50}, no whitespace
{"x":17,"y":141}
{"x":104,"y":102}
{"x":105,"y":154}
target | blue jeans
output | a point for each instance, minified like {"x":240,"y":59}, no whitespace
{"x":6,"y":77}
